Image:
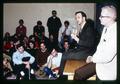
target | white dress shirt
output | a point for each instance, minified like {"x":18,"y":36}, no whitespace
{"x":62,"y":29}
{"x":56,"y":60}
{"x":105,"y":56}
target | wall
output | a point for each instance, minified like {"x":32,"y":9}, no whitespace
{"x":32,"y":12}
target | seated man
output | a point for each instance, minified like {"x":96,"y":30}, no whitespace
{"x":85,"y":36}
{"x":23,"y":62}
{"x":41,"y":55}
{"x":66,"y":46}
{"x":53,"y":63}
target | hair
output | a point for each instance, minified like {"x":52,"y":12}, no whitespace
{"x":82,"y":13}
{"x":43,"y":43}
{"x":19,"y":45}
{"x":112,"y":9}
{"x":7,"y":33}
{"x":32,"y":43}
{"x":21,"y":20}
{"x":66,"y":22}
{"x":67,"y":42}
{"x":56,"y":49}
{"x":15,"y":40}
{"x":54,"y":11}
{"x":39,"y":22}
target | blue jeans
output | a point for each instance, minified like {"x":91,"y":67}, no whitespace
{"x":69,"y":39}
{"x":48,"y":71}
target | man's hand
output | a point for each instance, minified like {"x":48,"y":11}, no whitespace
{"x":89,"y":59}
{"x":27,"y":64}
{"x":51,"y":36}
{"x":75,"y":37}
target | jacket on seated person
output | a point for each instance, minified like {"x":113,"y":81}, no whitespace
{"x":85,"y":38}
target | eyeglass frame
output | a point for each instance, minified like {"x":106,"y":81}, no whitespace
{"x":105,"y":17}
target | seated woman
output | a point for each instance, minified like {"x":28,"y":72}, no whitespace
{"x":53,"y":63}
{"x":31,"y":48}
{"x":6,"y":43}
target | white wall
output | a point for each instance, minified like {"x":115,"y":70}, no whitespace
{"x":32,"y":12}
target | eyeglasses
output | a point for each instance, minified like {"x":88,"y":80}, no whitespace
{"x":105,"y":17}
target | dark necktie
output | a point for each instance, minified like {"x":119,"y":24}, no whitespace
{"x":64,"y":33}
{"x":105,"y":30}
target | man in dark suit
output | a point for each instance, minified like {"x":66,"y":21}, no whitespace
{"x":85,"y":38}
{"x":54,"y":24}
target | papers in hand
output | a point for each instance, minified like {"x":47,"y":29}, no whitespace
{"x":75,"y":37}
{"x":25,"y":58}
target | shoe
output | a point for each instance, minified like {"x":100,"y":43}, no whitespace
{"x":32,"y":71}
{"x":22,"y":73}
{"x":50,"y":77}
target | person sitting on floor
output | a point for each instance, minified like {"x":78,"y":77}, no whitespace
{"x":53,"y":63}
{"x":23,"y":63}
{"x":7,"y":68}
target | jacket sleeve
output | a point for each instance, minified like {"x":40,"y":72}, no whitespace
{"x":87,"y":37}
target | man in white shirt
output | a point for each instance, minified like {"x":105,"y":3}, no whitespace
{"x":53,"y":63}
{"x":105,"y":56}
{"x":65,"y":33}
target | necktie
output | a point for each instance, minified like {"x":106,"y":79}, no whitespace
{"x":104,"y":30}
{"x":64,"y":33}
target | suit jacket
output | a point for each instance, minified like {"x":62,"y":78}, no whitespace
{"x":87,"y":36}
{"x":105,"y":56}
{"x":86,"y":45}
